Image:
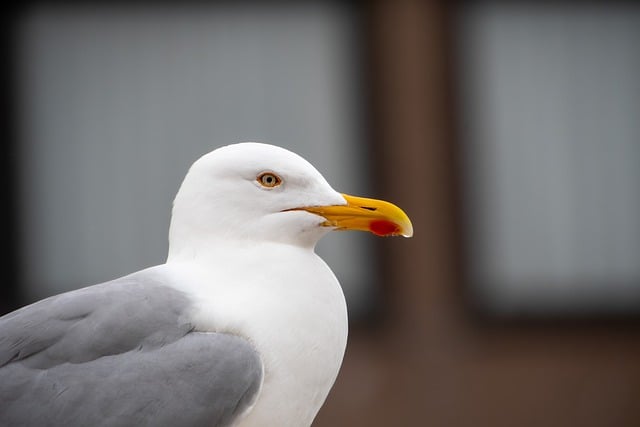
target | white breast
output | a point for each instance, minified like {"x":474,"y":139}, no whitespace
{"x":288,"y":303}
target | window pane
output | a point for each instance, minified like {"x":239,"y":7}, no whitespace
{"x":117,"y":102}
{"x":551,"y":142}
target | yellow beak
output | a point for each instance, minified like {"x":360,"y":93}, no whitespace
{"x":376,"y":216}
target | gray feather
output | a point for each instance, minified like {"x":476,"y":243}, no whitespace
{"x":121,"y":353}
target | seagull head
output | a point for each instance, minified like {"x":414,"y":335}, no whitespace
{"x":255,"y":192}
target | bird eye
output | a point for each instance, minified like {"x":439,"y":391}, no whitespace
{"x":269,"y":180}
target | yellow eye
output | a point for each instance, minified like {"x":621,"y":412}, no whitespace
{"x":269,"y":180}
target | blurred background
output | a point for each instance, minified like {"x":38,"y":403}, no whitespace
{"x":508,"y":131}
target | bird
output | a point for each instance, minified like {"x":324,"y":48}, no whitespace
{"x":244,"y":324}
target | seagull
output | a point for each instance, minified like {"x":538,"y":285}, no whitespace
{"x":244,"y":325}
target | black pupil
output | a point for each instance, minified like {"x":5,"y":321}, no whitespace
{"x":269,"y":179}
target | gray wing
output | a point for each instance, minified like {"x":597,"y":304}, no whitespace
{"x":121,"y":353}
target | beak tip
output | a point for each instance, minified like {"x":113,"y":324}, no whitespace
{"x":407,"y":230}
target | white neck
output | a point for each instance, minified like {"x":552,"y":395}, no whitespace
{"x":287,"y":302}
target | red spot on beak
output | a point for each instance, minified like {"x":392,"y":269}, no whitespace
{"x":384,"y":228}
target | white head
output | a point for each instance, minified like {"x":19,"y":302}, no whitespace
{"x":258,"y":192}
